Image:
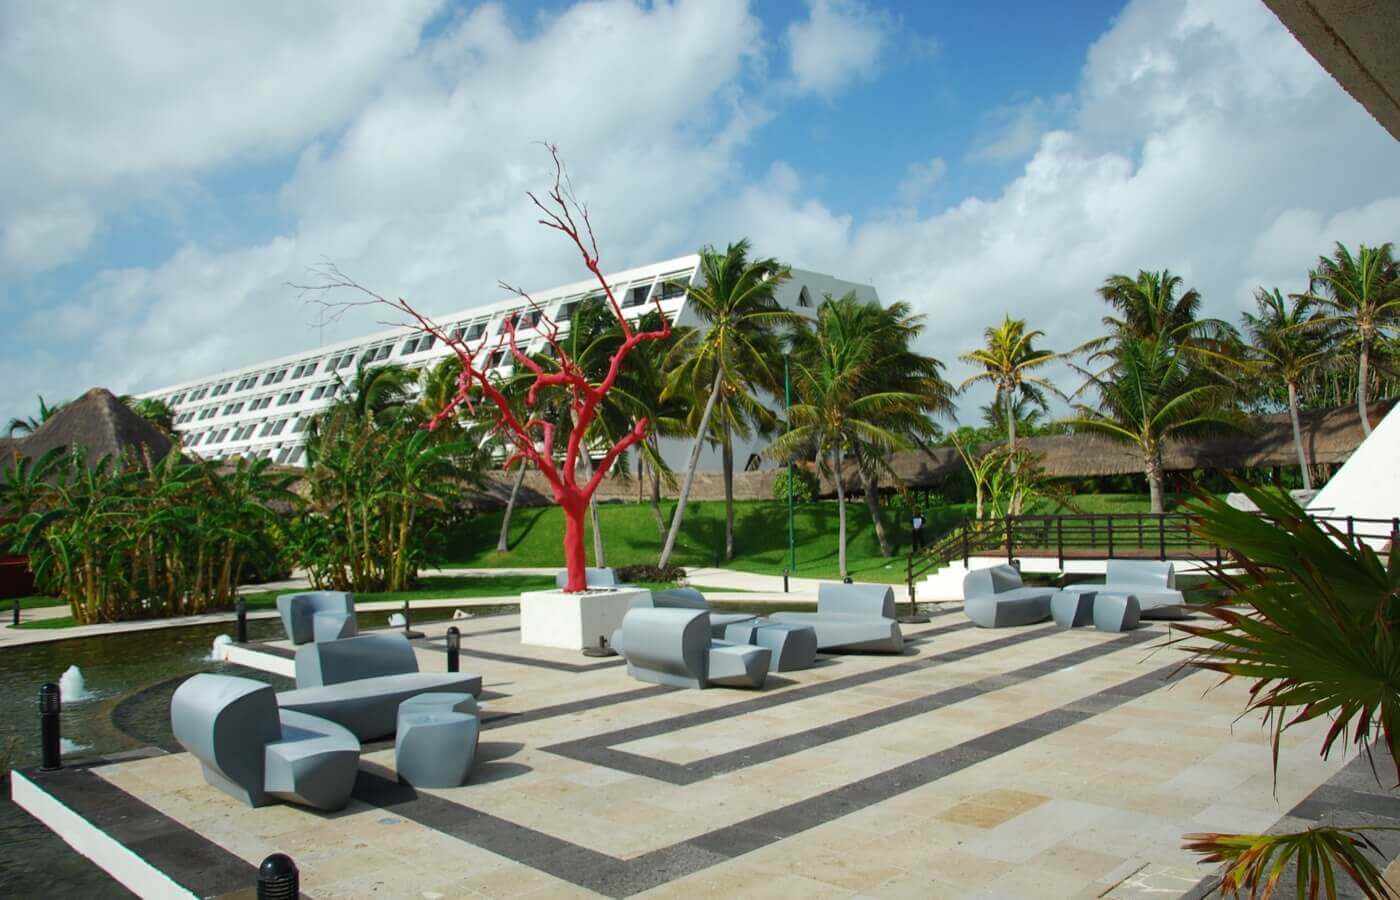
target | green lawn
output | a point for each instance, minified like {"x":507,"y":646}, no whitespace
{"x":631,"y":538}
{"x":32,"y":602}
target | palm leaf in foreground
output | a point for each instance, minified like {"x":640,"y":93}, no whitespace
{"x":1256,"y":862}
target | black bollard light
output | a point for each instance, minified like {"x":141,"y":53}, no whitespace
{"x":50,"y":704}
{"x":278,"y":878}
{"x":454,"y":649}
{"x":914,"y":617}
{"x":16,"y":612}
{"x":241,"y":606}
{"x":846,"y":580}
{"x":408,"y":631}
{"x":785,"y":583}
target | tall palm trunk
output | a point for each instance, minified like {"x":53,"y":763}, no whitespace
{"x":503,"y":542}
{"x":727,"y":463}
{"x":679,"y":514}
{"x":1361,"y":375}
{"x":840,"y":513}
{"x":1153,"y":464}
{"x":872,"y":503}
{"x":656,"y":494}
{"x":1011,"y":429}
{"x":1298,"y":435}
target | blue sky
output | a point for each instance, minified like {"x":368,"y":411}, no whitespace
{"x":181,"y":163}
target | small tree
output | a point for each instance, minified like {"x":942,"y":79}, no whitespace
{"x":534,"y":438}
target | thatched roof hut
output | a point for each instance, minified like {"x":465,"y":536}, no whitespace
{"x":1329,"y":436}
{"x":98,"y":423}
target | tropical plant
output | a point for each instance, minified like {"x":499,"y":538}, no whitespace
{"x":128,"y":538}
{"x":30,"y":424}
{"x":153,"y":410}
{"x":1008,"y":361}
{"x":1361,"y":294}
{"x":1148,"y":393}
{"x":1286,"y":343}
{"x":733,"y":357}
{"x":1310,"y":618}
{"x":834,"y":361}
{"x":1148,"y":307}
{"x":802,"y":486}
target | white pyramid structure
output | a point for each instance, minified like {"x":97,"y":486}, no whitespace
{"x":1367,"y":485}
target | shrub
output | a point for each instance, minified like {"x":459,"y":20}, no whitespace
{"x":804,"y":485}
{"x":645,"y":573}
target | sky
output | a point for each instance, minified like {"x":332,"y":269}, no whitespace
{"x":169,"y":169}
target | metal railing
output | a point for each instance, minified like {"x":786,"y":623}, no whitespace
{"x":1143,"y":535}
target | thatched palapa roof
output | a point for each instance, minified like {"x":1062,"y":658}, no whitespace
{"x":98,"y":423}
{"x":1329,"y":436}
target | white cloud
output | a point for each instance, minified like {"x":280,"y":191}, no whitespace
{"x":119,"y":100}
{"x":839,"y":42}
{"x":1204,"y":139}
{"x":43,"y":236}
{"x":920,"y":179}
{"x":1201,"y":138}
{"x":1013,"y":132}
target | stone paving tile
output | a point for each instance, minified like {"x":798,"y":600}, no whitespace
{"x":1074,"y":793}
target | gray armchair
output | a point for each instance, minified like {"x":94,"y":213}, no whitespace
{"x":674,"y":647}
{"x":851,"y":617}
{"x":359,"y":682}
{"x":253,"y":751}
{"x":996,"y":598}
{"x":317,"y":616}
{"x":690,"y":598}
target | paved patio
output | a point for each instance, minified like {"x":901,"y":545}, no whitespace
{"x":1013,"y":763}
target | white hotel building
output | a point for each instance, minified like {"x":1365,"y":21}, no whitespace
{"x":263,"y":410}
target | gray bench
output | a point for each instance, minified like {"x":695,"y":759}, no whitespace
{"x":359,"y":682}
{"x":1153,"y":583}
{"x":255,"y":752}
{"x":851,"y":617}
{"x":793,"y":647}
{"x":994,"y":597}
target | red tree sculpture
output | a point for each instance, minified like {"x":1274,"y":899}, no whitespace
{"x":534,"y":438}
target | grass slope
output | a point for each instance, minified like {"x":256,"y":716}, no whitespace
{"x":630,"y":535}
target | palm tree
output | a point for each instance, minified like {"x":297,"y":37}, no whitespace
{"x":1148,"y":306}
{"x":835,"y":363}
{"x":153,"y":410}
{"x":1362,"y":294}
{"x":30,"y":424}
{"x":735,"y":353}
{"x":1150,"y":393}
{"x":902,"y":370}
{"x":1286,"y":344}
{"x":1008,"y":361}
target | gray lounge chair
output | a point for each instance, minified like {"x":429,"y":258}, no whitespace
{"x":317,"y":616}
{"x":593,"y":577}
{"x":851,"y":617}
{"x":359,"y":682}
{"x":690,"y":598}
{"x":253,"y":751}
{"x":674,"y":647}
{"x":995,"y":598}
{"x":1153,"y":583}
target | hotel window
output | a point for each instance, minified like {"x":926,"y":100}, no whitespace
{"x":566,"y":312}
{"x":332,"y":391}
{"x":427,"y":342}
{"x":280,"y":376}
{"x":676,"y":288}
{"x":266,"y":429}
{"x":531,"y":317}
{"x":267,"y":379}
{"x":179,"y":398}
{"x":507,"y":320}
{"x":300,"y":425}
{"x":282,"y":454}
{"x":194,"y":440}
{"x":296,"y":455}
{"x":494,"y":359}
{"x":277,"y":429}
{"x":219,"y":437}
{"x":296,"y":396}
{"x":316,"y":394}
{"x":409,"y":346}
{"x":636,"y":296}
{"x":475,"y":330}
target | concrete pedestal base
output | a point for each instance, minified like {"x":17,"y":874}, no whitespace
{"x":574,"y":621}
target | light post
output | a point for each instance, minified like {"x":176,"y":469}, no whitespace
{"x":787,"y":416}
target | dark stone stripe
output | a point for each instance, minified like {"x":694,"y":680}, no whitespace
{"x":615,"y":877}
{"x":602,"y":754}
{"x":469,"y":652}
{"x":199,"y":865}
{"x":575,"y":706}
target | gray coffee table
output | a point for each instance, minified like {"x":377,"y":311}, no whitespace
{"x":794,"y":647}
{"x":435,"y":744}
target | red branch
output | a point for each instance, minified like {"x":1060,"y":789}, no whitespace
{"x":533,"y":439}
